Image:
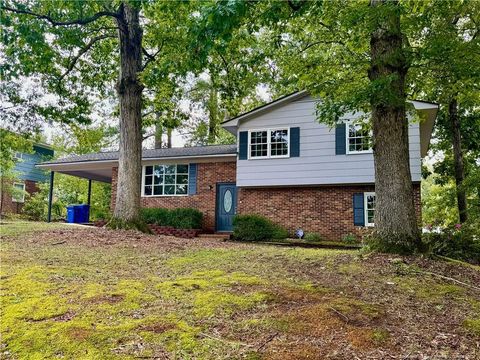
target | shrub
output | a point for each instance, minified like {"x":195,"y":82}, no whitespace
{"x":186,"y":218}
{"x":181,"y":218}
{"x":256,"y":228}
{"x":461,"y":242}
{"x":350,"y":239}
{"x":279,"y":233}
{"x":36,"y":208}
{"x":157,"y":216}
{"x":313,"y":237}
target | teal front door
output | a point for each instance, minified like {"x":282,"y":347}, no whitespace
{"x":226,"y":206}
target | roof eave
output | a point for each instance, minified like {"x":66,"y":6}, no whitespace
{"x":114,"y":161}
{"x":233,"y":123}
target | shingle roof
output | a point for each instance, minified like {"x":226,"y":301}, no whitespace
{"x":194,"y":151}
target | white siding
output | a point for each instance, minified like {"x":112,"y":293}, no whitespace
{"x":317,"y":164}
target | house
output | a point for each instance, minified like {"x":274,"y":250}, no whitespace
{"x":26,"y":177}
{"x":286,"y":166}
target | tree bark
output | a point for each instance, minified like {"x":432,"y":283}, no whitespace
{"x":212,"y":115}
{"x":395,"y":218}
{"x":129,"y":89}
{"x":169,"y":137}
{"x":458,"y":160}
{"x":158,"y":132}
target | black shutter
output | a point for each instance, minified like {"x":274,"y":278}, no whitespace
{"x":192,"y":179}
{"x":295,"y":142}
{"x":243,"y":145}
{"x":358,"y":210}
{"x":340,"y":139}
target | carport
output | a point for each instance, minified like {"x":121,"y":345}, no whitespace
{"x":92,"y":167}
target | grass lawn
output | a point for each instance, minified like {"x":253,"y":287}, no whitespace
{"x":88,"y":293}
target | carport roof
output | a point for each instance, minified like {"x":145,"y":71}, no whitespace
{"x":194,"y":151}
{"x":98,"y":166}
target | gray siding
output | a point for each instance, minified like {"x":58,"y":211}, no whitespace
{"x":317,"y":164}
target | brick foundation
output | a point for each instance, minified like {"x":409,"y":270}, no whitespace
{"x":208,"y":175}
{"x":327,"y":210}
{"x":11,"y":207}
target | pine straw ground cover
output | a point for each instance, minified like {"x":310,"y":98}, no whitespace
{"x":90,"y":293}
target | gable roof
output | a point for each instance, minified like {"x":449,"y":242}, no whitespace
{"x":231,"y":124}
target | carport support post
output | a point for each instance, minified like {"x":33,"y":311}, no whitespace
{"x":50,"y":197}
{"x":89,"y":191}
{"x":89,"y":195}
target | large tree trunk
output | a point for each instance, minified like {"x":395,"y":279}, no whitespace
{"x":129,"y":90}
{"x":395,"y":218}
{"x":458,"y":159}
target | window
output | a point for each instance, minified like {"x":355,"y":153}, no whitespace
{"x":359,"y":138}
{"x":167,"y":180}
{"x":369,"y":201}
{"x":18,"y":194}
{"x":17,"y":156}
{"x":269,"y":143}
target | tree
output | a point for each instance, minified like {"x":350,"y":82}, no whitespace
{"x":10,"y":143}
{"x":76,"y":48}
{"x":354,"y":56}
{"x":449,"y":73}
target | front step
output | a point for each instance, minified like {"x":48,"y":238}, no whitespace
{"x":216,"y":236}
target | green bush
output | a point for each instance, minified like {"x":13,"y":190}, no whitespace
{"x":186,"y":218}
{"x":350,"y":239}
{"x":157,"y":216}
{"x":461,"y":242}
{"x":181,"y":218}
{"x":256,"y":228}
{"x":36,"y":208}
{"x":312,"y":237}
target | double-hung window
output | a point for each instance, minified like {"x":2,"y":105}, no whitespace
{"x":165,"y":180}
{"x":269,"y":143}
{"x":369,"y":203}
{"x":359,"y":138}
{"x":18,"y":194}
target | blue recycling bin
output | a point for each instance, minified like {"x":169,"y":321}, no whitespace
{"x":78,"y":213}
{"x":83,"y":213}
{"x":70,"y":213}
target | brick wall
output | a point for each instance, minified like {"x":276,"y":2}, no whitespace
{"x":208,"y":175}
{"x":10,"y":206}
{"x":327,"y":210}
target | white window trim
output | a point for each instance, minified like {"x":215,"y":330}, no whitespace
{"x":163,"y":195}
{"x":269,"y":142}
{"x":23,"y":194}
{"x":365,"y":195}
{"x":353,"y":152}
{"x":18,"y":155}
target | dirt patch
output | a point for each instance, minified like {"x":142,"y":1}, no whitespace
{"x":109,"y":299}
{"x":69,"y":315}
{"x":78,"y":333}
{"x":158,"y":328}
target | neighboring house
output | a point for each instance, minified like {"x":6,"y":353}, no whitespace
{"x":27,"y":176}
{"x":286,"y":166}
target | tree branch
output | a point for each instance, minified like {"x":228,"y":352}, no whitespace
{"x":83,"y":51}
{"x":150,"y":57}
{"x":82,"y":21}
{"x":294,"y":5}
